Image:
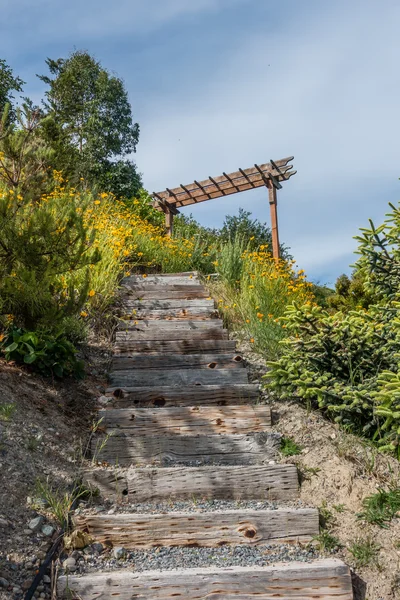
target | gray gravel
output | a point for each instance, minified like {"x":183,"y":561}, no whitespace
{"x":164,"y":558}
{"x":191,"y":506}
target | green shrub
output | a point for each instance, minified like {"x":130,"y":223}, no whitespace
{"x":382,"y":507}
{"x":50,"y":354}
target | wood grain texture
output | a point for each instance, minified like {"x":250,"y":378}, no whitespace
{"x":159,"y":396}
{"x":147,"y":324}
{"x":208,"y":529}
{"x":167,"y":304}
{"x":209,"y":333}
{"x":195,"y":420}
{"x":172,"y":292}
{"x":178,"y":361}
{"x":178,"y":377}
{"x":161,"y":281}
{"x":127,"y":347}
{"x":151,"y":484}
{"x":167,"y":450}
{"x":175,"y":314}
{"x":325,"y":579}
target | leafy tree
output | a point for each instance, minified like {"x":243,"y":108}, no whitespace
{"x":24,"y":156}
{"x":89,"y":124}
{"x":249,"y":230}
{"x":350,"y":293}
{"x":8,"y":84}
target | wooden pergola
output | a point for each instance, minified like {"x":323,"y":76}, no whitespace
{"x":269,"y":174}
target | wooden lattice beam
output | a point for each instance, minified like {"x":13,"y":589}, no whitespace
{"x":226,"y":184}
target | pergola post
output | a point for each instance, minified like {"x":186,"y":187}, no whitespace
{"x":169,"y":222}
{"x":273,"y":203}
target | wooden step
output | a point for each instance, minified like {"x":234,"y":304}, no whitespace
{"x":325,"y":579}
{"x":219,"y":395}
{"x":153,"y":292}
{"x":151,"y":484}
{"x":127,"y":347}
{"x":167,"y":304}
{"x":193,"y":313}
{"x":178,"y":377}
{"x":182,"y":420}
{"x":133,"y":281}
{"x":165,"y":450}
{"x":192,"y":335}
{"x":178,"y":361}
{"x":160,"y":324}
{"x":207,"y":529}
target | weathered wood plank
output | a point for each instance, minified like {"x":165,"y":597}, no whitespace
{"x":173,"y":292}
{"x":326,"y":579}
{"x":174,"y":314}
{"x":192,"y":280}
{"x":178,"y":361}
{"x":167,"y":304}
{"x":187,"y":323}
{"x":195,"y":420}
{"x":219,"y":395}
{"x":209,"y":529}
{"x":151,"y":484}
{"x":166,"y":450}
{"x":209,"y":333}
{"x":128,"y":347}
{"x":177,"y":377}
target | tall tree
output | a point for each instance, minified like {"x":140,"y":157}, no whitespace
{"x":89,"y":124}
{"x":8,"y":84}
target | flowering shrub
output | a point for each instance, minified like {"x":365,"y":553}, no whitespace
{"x":256,"y":291}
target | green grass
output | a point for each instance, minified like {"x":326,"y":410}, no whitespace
{"x":289,"y":447}
{"x":365,"y":551}
{"x":326,"y":542}
{"x":7,"y":411}
{"x":381,"y":508}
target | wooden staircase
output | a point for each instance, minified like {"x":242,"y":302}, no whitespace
{"x":185,"y":423}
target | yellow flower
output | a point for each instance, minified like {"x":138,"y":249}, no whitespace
{"x":92,"y":293}
{"x":260,"y":315}
{"x":251,"y":340}
{"x":247,"y":320}
{"x":144,"y":275}
{"x":84,"y":313}
{"x":97,"y":201}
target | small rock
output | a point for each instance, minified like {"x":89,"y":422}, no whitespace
{"x":3,"y":523}
{"x":3,"y":583}
{"x":333,"y":436}
{"x":119,"y":553}
{"x":27,"y":584}
{"x":97,"y":547}
{"x":103,"y":400}
{"x":48,"y":530}
{"x":46,"y":579}
{"x":70,"y":564}
{"x":36,"y":524}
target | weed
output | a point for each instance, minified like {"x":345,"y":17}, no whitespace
{"x":340,"y":508}
{"x":7,"y":411}
{"x":60,"y":503}
{"x":32,"y":443}
{"x":289,"y":447}
{"x":306,"y":473}
{"x":326,"y":542}
{"x":382,"y":507}
{"x":326,"y":517}
{"x":365,"y":551}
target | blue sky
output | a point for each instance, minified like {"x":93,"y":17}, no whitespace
{"x":221,"y":84}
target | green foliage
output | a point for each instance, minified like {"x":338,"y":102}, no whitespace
{"x":326,"y":542}
{"x":347,"y":362}
{"x":289,"y":447}
{"x":7,"y":410}
{"x":350,"y":293}
{"x":253,"y":233}
{"x":24,"y":157}
{"x":142,"y":205}
{"x":50,"y":354}
{"x":365,"y":551}
{"x":8,"y":84}
{"x":89,"y":124}
{"x":45,"y":254}
{"x":382,"y":507}
{"x":230,"y":263}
